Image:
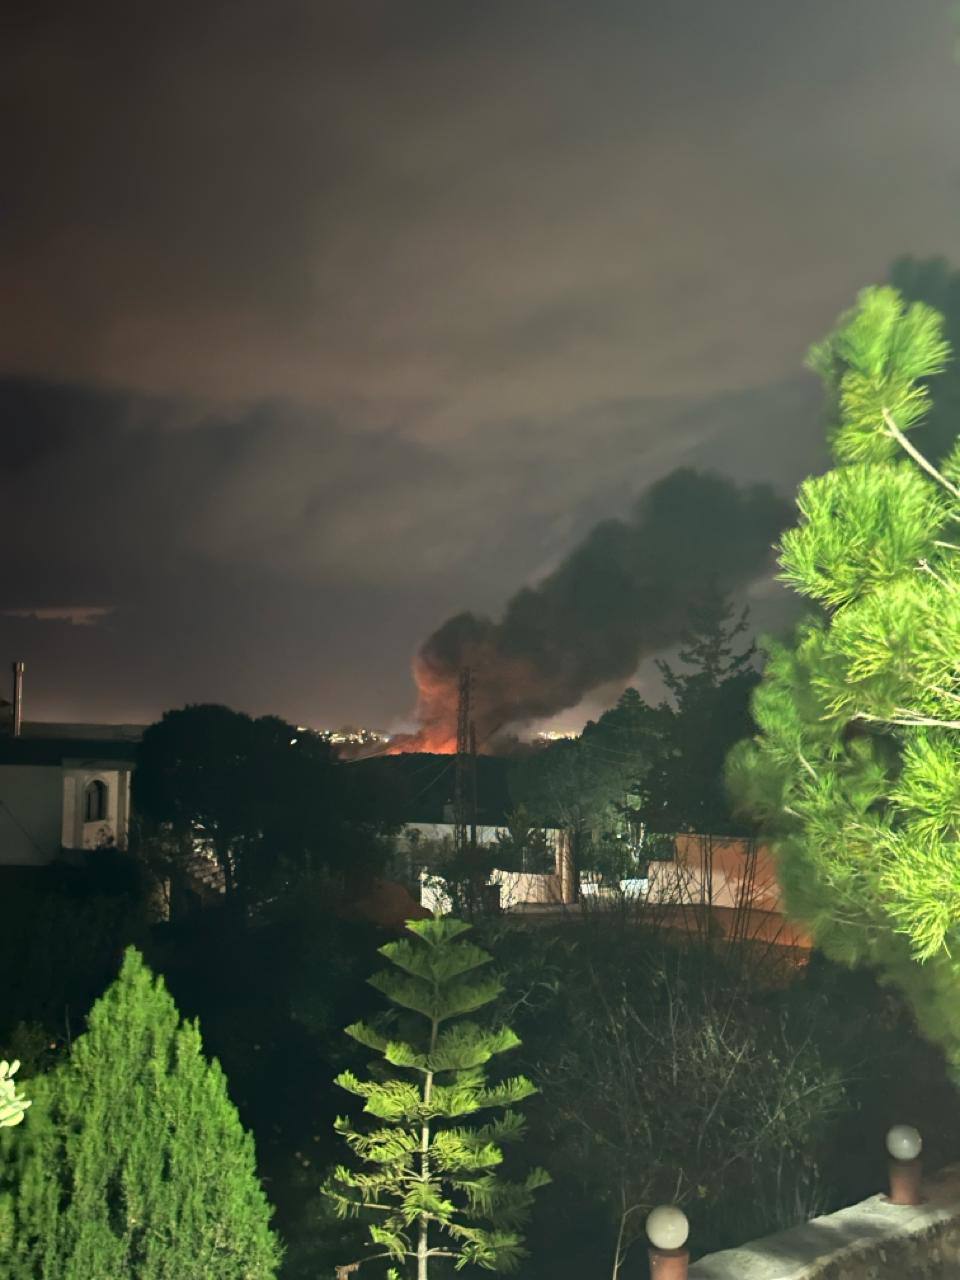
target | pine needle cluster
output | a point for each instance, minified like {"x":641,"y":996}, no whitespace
{"x":427,"y":1182}
{"x":855,"y":771}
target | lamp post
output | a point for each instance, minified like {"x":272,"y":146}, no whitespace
{"x":904,"y":1145}
{"x":667,"y":1231}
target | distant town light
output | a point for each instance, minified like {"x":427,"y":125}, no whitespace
{"x":351,"y":736}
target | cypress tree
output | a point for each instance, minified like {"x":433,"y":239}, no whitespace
{"x":135,"y":1163}
{"x":431,"y":1184}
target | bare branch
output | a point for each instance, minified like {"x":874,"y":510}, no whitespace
{"x":909,"y":719}
{"x":916,"y":455}
{"x":923,"y":566}
{"x":808,"y":766}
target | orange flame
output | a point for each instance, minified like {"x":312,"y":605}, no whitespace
{"x":437,"y":698}
{"x":502,"y":689}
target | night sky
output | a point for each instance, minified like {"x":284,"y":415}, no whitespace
{"x":325,"y":321}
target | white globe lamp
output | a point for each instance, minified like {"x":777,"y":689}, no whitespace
{"x":667,"y":1231}
{"x":904,"y":1145}
{"x":904,"y":1142}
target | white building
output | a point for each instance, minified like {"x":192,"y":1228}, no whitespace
{"x":517,"y":889}
{"x":63,"y":788}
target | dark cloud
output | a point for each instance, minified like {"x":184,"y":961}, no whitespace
{"x":275,"y":555}
{"x":326,"y":321}
{"x":462,"y":211}
{"x":78,"y":615}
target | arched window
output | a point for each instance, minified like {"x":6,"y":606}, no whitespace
{"x":95,"y":801}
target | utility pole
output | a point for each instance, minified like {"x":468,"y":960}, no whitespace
{"x":461,"y":789}
{"x":473,"y":787}
{"x":465,"y":792}
{"x":17,"y":698}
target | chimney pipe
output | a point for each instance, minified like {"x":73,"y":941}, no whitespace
{"x":17,"y":698}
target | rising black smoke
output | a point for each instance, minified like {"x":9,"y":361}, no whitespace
{"x":621,"y":595}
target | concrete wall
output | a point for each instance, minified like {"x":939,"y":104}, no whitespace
{"x":516,"y":888}
{"x":719,"y":870}
{"x":30,"y":814}
{"x":524,"y":887}
{"x":440,"y":831}
{"x":725,"y":872}
{"x":735,"y":879}
{"x":873,"y":1240}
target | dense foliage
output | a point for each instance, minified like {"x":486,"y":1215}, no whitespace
{"x":756,"y":1093}
{"x":856,"y":770}
{"x":273,"y":998}
{"x":681,"y":785}
{"x":272,"y":985}
{"x":61,"y":931}
{"x":427,"y":1179}
{"x":642,"y":771}
{"x":262,"y":799}
{"x":135,"y":1163}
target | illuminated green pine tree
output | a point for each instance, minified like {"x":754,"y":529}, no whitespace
{"x":134,"y":1164}
{"x":429,"y":1185}
{"x":855,"y":771}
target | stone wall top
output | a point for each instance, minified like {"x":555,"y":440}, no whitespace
{"x":873,"y":1240}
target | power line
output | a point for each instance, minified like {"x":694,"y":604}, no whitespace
{"x":433,"y":781}
{"x":451,"y":761}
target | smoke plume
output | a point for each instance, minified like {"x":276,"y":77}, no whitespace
{"x":624,"y":593}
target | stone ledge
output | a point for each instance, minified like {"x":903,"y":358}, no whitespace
{"x":873,"y":1240}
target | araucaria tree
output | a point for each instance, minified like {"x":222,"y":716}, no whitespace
{"x":134,"y":1163}
{"x":855,"y":772}
{"x":431,"y":1187}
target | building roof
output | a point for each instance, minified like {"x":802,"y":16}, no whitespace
{"x":57,"y":751}
{"x":85,"y":732}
